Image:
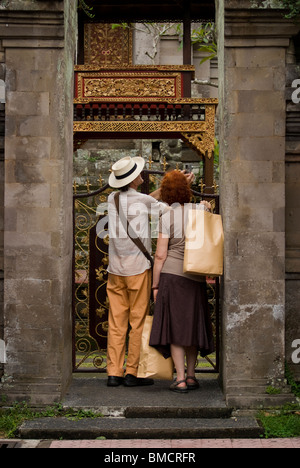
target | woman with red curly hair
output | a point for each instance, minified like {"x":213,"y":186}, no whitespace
{"x":182,"y":325}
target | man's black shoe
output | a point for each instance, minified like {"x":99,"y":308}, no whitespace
{"x":132,"y":381}
{"x":114,"y":381}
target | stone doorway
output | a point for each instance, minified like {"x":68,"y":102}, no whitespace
{"x":129,"y":103}
{"x":253,"y":45}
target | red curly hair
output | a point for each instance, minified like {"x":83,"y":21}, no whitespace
{"x":175,"y":188}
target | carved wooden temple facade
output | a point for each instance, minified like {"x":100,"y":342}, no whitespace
{"x":116,"y":99}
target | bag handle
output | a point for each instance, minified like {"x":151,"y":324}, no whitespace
{"x":136,"y":240}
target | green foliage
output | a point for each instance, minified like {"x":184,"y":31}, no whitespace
{"x":120,"y":25}
{"x":12,"y":418}
{"x":282,"y":424}
{"x":291,"y":381}
{"x":205,"y":37}
{"x":285,"y":422}
{"x":82,"y":5}
{"x":293,"y":6}
{"x":273,"y":391}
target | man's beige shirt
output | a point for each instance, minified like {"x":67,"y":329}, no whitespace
{"x":125,"y":259}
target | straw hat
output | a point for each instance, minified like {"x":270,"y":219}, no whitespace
{"x":125,"y":171}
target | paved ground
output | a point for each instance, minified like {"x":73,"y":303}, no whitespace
{"x":92,"y":392}
{"x":147,"y":402}
{"x":179,"y":445}
{"x":182,"y":444}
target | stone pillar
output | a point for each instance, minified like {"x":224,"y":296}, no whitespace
{"x":39,"y":42}
{"x":2,"y":128}
{"x":293,"y":212}
{"x":252,"y":61}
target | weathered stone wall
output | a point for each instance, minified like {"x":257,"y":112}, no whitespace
{"x":95,"y":157}
{"x":252,"y":147}
{"x":39,"y":51}
{"x":2,"y":128}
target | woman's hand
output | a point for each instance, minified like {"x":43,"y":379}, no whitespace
{"x":207,"y":205}
{"x":155,"y":292}
{"x":190,"y":177}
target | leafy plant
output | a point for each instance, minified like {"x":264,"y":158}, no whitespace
{"x":282,"y":424}
{"x":273,"y":391}
{"x":291,"y":381}
{"x":12,"y":418}
{"x":293,"y":6}
{"x":205,"y":37}
{"x":82,"y":5}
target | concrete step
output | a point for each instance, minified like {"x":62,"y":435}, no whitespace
{"x":140,"y":428}
{"x":172,"y":412}
{"x":147,"y":402}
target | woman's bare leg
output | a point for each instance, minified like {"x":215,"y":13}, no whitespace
{"x":178,"y":355}
{"x":191,"y":357}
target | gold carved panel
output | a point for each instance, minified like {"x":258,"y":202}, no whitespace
{"x":203,"y":142}
{"x":120,"y":85}
{"x":105,"y":46}
{"x":139,"y":127}
{"x":200,"y":135}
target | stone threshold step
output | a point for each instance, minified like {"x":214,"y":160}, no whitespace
{"x":137,"y":428}
{"x":179,"y":412}
{"x":158,"y":411}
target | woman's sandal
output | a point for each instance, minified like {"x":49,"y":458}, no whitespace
{"x":193,"y":386}
{"x":174,"y":387}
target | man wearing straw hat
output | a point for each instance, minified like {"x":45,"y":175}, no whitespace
{"x":129,"y":279}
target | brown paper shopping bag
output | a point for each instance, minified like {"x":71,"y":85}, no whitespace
{"x":204,"y":244}
{"x":152,"y":363}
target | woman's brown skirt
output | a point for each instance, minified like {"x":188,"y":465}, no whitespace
{"x":181,"y":316}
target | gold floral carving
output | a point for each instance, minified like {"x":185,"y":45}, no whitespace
{"x":140,"y":127}
{"x":105,"y":46}
{"x":145,"y":86}
{"x":137,"y":68}
{"x":199,"y":142}
{"x":203,"y":142}
{"x":112,"y":87}
{"x":200,"y":135}
{"x":204,"y":101}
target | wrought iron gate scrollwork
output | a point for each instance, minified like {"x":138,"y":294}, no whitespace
{"x":90,"y":261}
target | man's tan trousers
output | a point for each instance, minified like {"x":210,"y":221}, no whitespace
{"x":129,"y":304}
